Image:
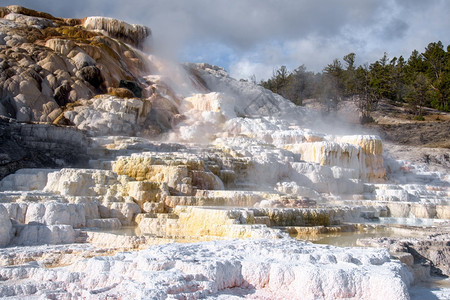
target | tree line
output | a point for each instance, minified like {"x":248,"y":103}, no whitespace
{"x":423,"y":80}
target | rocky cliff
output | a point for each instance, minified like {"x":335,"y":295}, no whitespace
{"x":47,"y":62}
{"x":48,"y":66}
{"x":39,"y":145}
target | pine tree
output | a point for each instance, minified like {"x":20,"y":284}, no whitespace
{"x":332,"y":85}
{"x":418,"y":93}
{"x":366,"y":98}
{"x":398,"y":81}
{"x":380,"y":77}
{"x":436,"y":69}
{"x":350,"y":75}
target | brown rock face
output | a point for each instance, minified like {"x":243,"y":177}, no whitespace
{"x":48,"y":62}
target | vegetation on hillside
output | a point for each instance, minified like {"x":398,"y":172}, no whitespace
{"x":423,"y":80}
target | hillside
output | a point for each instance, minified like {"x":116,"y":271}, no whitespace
{"x":396,"y":124}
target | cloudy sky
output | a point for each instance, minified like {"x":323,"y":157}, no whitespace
{"x":254,"y":37}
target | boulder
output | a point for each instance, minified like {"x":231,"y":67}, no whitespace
{"x":133,"y":86}
{"x":62,"y":93}
{"x":81,"y":60}
{"x":91,"y":74}
{"x":121,"y":93}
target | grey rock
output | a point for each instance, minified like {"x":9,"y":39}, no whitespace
{"x":36,"y":145}
{"x":36,"y":22}
{"x":62,"y":93}
{"x":133,"y":86}
{"x":82,"y":60}
{"x":91,"y":74}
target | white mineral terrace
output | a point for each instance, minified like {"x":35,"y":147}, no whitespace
{"x":217,"y":205}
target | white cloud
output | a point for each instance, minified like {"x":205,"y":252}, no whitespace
{"x":256,"y":36}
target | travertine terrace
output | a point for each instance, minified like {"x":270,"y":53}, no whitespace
{"x":144,"y":152}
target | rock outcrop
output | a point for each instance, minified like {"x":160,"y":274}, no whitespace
{"x":432,"y":250}
{"x":48,"y":62}
{"x":39,"y":145}
{"x":130,"y":33}
{"x":361,"y":153}
{"x":110,"y":115}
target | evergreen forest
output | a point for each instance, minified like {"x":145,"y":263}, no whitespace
{"x":422,"y":80}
